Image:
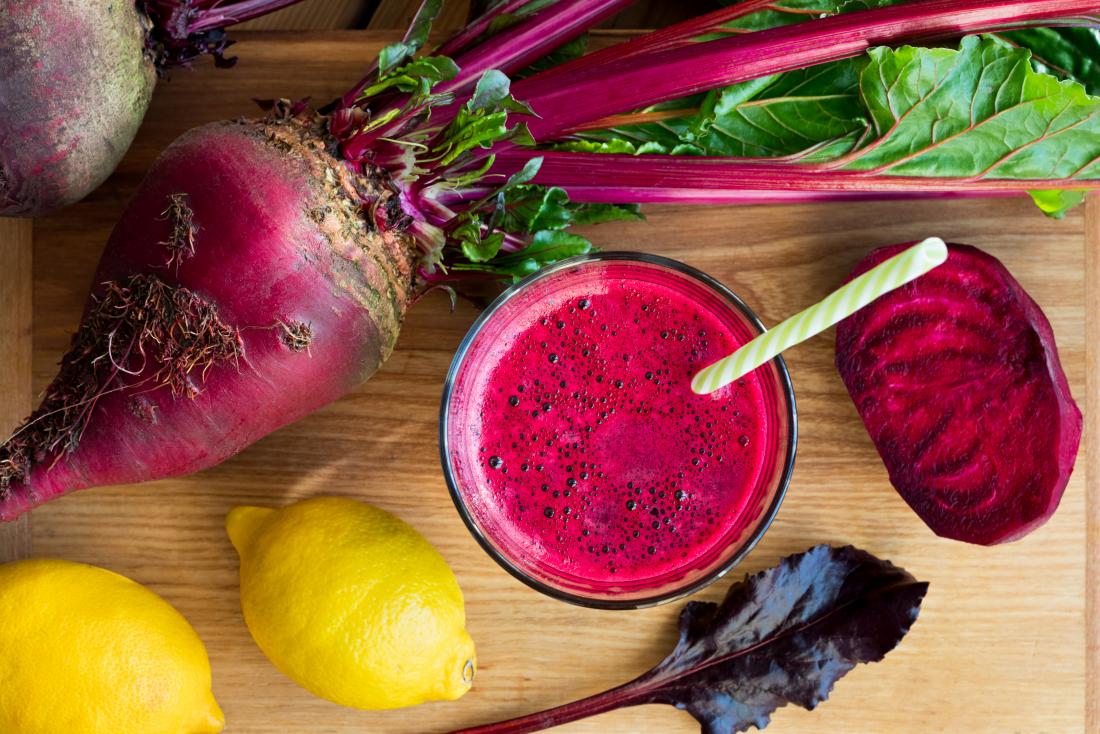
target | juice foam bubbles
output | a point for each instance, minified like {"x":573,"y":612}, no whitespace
{"x":579,"y":446}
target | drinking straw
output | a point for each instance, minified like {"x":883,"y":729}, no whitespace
{"x":840,"y":304}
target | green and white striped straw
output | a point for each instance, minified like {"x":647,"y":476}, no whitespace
{"x":879,"y":280}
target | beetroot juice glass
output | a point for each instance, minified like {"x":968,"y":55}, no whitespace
{"x":576,"y":451}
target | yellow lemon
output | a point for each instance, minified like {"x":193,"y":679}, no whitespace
{"x":352,"y":603}
{"x":86,"y":651}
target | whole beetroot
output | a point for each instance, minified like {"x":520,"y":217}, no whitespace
{"x":245,"y":306}
{"x":76,"y":77}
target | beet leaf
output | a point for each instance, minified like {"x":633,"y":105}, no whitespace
{"x":816,"y":109}
{"x":980,"y":111}
{"x":785,"y":635}
{"x":789,"y":12}
{"x":816,"y":112}
{"x":395,"y":54}
{"x":1068,"y":53}
{"x":764,"y":101}
{"x":973,"y":114}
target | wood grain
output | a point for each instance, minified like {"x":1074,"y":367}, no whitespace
{"x":398,"y":14}
{"x":999,"y":647}
{"x":313,"y":15}
{"x":15,"y":355}
{"x":1092,"y":452}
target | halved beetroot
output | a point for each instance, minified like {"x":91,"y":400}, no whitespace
{"x":957,"y":378}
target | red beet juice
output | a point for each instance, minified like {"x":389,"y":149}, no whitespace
{"x":578,"y":451}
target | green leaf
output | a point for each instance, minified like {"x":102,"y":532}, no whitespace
{"x":525,"y":174}
{"x":476,"y":248}
{"x":483,"y":120}
{"x":600,"y":213}
{"x":469,"y":131}
{"x":1055,"y":204}
{"x":546,"y":247}
{"x":419,"y":75}
{"x":483,"y":249}
{"x":980,"y":111}
{"x":492,"y":89}
{"x":528,"y":209}
{"x":1068,"y":53}
{"x":782,"y":115}
{"x":789,"y":12}
{"x":521,"y":136}
{"x":612,"y":145}
{"x":817,"y":113}
{"x":492,"y":94}
{"x":390,"y":57}
{"x":396,"y":53}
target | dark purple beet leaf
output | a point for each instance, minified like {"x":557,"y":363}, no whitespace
{"x":785,"y":635}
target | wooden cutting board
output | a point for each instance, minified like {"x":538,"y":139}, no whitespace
{"x":1000,"y":646}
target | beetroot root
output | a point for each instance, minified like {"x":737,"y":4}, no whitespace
{"x":957,"y":378}
{"x":75,"y":82}
{"x":76,"y":77}
{"x":241,"y":290}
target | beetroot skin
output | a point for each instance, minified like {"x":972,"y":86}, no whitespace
{"x":76,"y":77}
{"x":241,"y":290}
{"x":957,"y":378}
{"x":75,"y":81}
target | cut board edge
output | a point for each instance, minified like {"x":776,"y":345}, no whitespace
{"x":16,"y":240}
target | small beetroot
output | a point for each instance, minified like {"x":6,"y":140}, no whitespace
{"x":76,"y":77}
{"x":957,"y":378}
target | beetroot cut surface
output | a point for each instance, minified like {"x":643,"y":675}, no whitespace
{"x":957,"y":378}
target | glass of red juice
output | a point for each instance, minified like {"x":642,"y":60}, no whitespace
{"x":576,"y":451}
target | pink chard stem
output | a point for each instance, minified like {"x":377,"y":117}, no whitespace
{"x":515,"y":48}
{"x":532,"y":39}
{"x":464,"y":38}
{"x":509,"y":51}
{"x":695,"y":179}
{"x":608,"y":87}
{"x":682,"y":34}
{"x":227,"y":14}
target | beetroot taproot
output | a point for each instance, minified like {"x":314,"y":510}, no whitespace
{"x":957,"y":378}
{"x":76,"y":77}
{"x":245,"y":306}
{"x":263,"y":267}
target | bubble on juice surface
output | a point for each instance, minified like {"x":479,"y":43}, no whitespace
{"x":591,"y":371}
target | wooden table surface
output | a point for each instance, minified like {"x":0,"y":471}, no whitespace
{"x":1000,"y":647}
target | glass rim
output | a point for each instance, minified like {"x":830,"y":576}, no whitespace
{"x":766,"y":519}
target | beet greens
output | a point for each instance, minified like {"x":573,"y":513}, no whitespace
{"x":785,"y":635}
